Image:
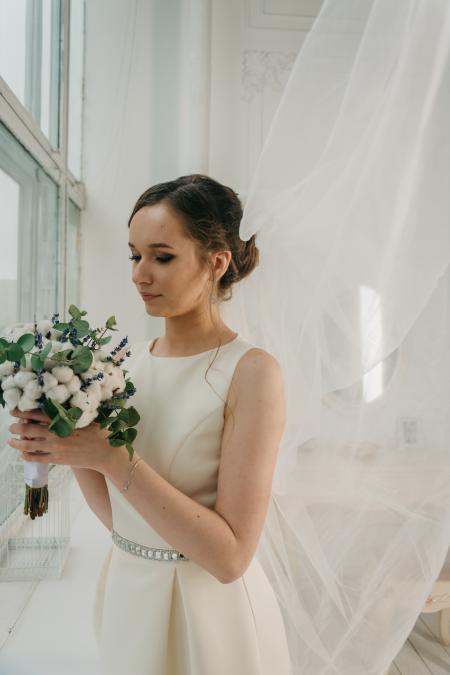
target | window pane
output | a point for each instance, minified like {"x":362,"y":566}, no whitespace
{"x":12,"y":45}
{"x":49,"y":113}
{"x":9,"y":199}
{"x":30,"y":58}
{"x":46,"y":247}
{"x":75,"y":86}
{"x":29,"y":230}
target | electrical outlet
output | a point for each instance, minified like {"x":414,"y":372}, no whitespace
{"x":408,"y":431}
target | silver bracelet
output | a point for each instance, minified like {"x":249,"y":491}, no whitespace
{"x":127,"y":485}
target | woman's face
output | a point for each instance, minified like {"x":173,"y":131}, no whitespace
{"x":165,"y":263}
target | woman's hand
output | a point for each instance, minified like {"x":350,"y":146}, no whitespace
{"x":86,"y":448}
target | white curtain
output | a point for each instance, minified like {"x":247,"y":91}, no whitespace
{"x":350,"y":203}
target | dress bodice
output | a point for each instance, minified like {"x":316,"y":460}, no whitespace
{"x":181,"y":406}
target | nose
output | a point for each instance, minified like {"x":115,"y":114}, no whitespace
{"x":139,"y":275}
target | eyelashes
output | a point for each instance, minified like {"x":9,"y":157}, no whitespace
{"x":161,"y":259}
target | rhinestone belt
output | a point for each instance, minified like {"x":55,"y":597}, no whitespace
{"x":146,"y":551}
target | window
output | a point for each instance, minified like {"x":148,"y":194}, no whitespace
{"x":366,"y":305}
{"x":41,"y":189}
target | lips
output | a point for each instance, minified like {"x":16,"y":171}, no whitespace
{"x":147,"y":296}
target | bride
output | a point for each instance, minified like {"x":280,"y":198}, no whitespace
{"x":349,"y":207}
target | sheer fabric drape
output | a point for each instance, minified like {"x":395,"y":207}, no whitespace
{"x":351,"y":208}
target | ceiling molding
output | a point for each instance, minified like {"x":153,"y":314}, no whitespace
{"x":299,"y":15}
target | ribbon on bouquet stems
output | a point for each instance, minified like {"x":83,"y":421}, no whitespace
{"x":36,"y":486}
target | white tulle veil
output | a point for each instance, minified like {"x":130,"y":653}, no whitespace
{"x":350,"y":204}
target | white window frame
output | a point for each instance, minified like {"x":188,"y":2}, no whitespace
{"x":26,"y":129}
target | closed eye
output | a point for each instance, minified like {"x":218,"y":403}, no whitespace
{"x":161,"y":259}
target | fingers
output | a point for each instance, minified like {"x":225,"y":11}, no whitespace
{"x":27,"y":430}
{"x":36,"y":456}
{"x":31,"y":414}
{"x":30,"y":446}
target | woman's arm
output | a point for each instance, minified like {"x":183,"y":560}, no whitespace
{"x":223,"y":540}
{"x":95,"y":491}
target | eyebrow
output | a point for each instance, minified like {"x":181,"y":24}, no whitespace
{"x":160,"y":244}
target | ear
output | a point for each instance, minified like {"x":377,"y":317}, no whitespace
{"x":221,"y":260}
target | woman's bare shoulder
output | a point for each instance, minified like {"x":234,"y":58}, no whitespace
{"x":255,"y":368}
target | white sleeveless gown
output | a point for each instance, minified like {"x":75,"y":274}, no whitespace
{"x":157,"y":617}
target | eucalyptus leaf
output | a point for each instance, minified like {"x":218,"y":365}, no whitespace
{"x":74,"y":312}
{"x":82,"y":327}
{"x":74,"y":413}
{"x":116,"y":441}
{"x":134,"y":416}
{"x":26,"y":341}
{"x":15,"y":352}
{"x":129,"y":435}
{"x":36,"y":362}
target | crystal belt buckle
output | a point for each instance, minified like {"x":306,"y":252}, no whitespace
{"x":146,"y":551}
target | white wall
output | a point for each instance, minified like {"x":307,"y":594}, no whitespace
{"x":181,"y":86}
{"x":117,"y":157}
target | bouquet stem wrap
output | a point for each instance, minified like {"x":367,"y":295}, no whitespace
{"x":36,"y":487}
{"x":35,"y":474}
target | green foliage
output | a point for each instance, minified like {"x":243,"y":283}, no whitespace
{"x":62,"y":420}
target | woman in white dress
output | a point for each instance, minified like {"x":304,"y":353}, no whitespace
{"x":181,"y":591}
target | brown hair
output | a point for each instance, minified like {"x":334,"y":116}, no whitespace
{"x":211,"y":214}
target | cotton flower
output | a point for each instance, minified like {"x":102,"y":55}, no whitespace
{"x":86,"y":418}
{"x":88,"y":374}
{"x":59,"y":393}
{"x":12,"y":333}
{"x":94,"y":389}
{"x":113,"y":374}
{"x":23,"y":377}
{"x":50,"y":381}
{"x":26,"y":403}
{"x":107,"y":392}
{"x":116,"y":381}
{"x":57,"y":346}
{"x":109,"y":367}
{"x":74,"y":384}
{"x":121,"y":379}
{"x":33,"y":389}
{"x":44,"y":326}
{"x":83,"y":400}
{"x":99,"y":355}
{"x":63,"y":373}
{"x":12,"y":397}
{"x":6,"y":368}
{"x":8,"y":382}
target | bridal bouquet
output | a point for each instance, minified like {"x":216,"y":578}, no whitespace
{"x":61,"y":369}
